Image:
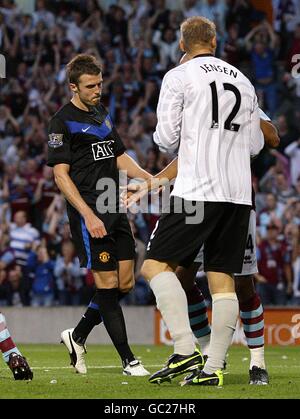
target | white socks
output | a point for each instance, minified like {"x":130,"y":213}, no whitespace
{"x":225,"y":311}
{"x":258,"y":358}
{"x":204,"y":342}
{"x":172,"y":303}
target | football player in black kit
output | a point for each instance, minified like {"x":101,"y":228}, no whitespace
{"x":85,"y":149}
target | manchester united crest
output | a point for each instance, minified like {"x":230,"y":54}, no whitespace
{"x":104,"y":257}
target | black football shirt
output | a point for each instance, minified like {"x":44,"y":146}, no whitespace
{"x":89,"y":143}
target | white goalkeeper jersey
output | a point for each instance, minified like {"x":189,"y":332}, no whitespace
{"x":208,"y":111}
{"x":263,"y":115}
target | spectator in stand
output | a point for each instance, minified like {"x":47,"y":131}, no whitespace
{"x":232,"y":50}
{"x":147,"y":63}
{"x":20,"y":196}
{"x":43,"y":15}
{"x":191,"y":8}
{"x":292,"y":89}
{"x":142,"y":131}
{"x":132,"y":148}
{"x":286,"y":132}
{"x":293,"y":152}
{"x":74,"y":31}
{"x":297,"y":189}
{"x":35,"y":139}
{"x":22,"y":236}
{"x":268,"y":181}
{"x":117,"y":101}
{"x":131,"y":87}
{"x":7,"y":261}
{"x":296,"y":266}
{"x":32,"y":173}
{"x":159,"y":15}
{"x":8,"y":121}
{"x":5,"y":212}
{"x":215,"y":10}
{"x":296,"y":219}
{"x":7,"y":255}
{"x":294,"y":48}
{"x":272,"y":214}
{"x":261,"y":42}
{"x":4,"y":289}
{"x":68,"y":274}
{"x":152,"y":161}
{"x":167,"y":43}
{"x":15,"y":288}
{"x":55,"y":218}
{"x":242,"y":13}
{"x":291,"y":214}
{"x":43,"y":196}
{"x":274,"y":281}
{"x":12,"y":154}
{"x":281,"y":188}
{"x":42,"y":267}
{"x":118,"y":25}
{"x":286,"y":16}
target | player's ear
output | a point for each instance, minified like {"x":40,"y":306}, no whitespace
{"x":73,"y":87}
{"x":181,"y":45}
{"x":214,"y":42}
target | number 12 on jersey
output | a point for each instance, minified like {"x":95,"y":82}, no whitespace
{"x":229,"y":125}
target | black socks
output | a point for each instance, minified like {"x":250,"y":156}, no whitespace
{"x":105,"y":305}
{"x":112,"y":315}
{"x":89,"y":320}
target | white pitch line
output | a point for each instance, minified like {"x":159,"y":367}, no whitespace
{"x":98,"y":367}
{"x":284,"y":366}
{"x":89,"y":367}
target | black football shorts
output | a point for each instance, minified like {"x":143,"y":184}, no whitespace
{"x":221,"y":226}
{"x":102,"y":254}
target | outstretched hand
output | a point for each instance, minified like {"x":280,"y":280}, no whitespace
{"x":133,"y":193}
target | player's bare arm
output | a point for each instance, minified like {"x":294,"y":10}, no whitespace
{"x":137,"y":190}
{"x":65,"y":184}
{"x":270,"y":133}
{"x":134,"y":171}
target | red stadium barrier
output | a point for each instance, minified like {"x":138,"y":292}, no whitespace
{"x":282,"y":327}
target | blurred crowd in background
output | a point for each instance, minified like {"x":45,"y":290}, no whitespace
{"x":137,"y":42}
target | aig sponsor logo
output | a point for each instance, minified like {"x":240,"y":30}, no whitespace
{"x":103,"y":150}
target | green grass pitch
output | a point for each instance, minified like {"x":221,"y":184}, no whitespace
{"x":54,"y":379}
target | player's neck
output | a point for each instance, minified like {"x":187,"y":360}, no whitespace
{"x":77,"y":102}
{"x":201,"y":51}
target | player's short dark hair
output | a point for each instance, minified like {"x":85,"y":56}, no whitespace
{"x":197,"y":30}
{"x":82,"y":64}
